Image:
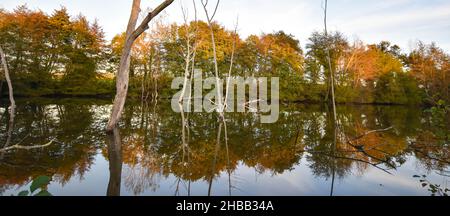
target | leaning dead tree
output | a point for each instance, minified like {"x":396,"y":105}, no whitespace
{"x":327,"y":50}
{"x":12,"y":106}
{"x":122,"y":78}
{"x":11,"y":111}
{"x":8,"y":81}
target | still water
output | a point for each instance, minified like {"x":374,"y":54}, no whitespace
{"x":374,"y":150}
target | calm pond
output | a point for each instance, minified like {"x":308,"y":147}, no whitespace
{"x":153,"y":154}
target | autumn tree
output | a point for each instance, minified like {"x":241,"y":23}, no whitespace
{"x":319,"y":43}
{"x":430,"y":65}
{"x":45,"y":49}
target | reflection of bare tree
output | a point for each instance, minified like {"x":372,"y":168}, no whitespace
{"x":143,"y":169}
{"x":222,"y":124}
{"x":143,"y":176}
{"x":216,"y":152}
{"x":185,"y":158}
{"x":115,"y":163}
{"x":229,"y":169}
{"x":335,"y":152}
{"x":198,"y":151}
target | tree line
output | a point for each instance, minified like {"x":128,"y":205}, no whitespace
{"x":56,"y":54}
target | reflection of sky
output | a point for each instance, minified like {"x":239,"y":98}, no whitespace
{"x":400,"y":21}
{"x":246,"y":181}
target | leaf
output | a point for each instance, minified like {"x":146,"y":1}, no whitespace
{"x":39,"y":182}
{"x":23,"y":193}
{"x":43,"y":193}
{"x":416,"y":176}
{"x":424,"y":184}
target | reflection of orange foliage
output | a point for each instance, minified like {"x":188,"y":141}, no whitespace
{"x":425,"y":138}
{"x":429,"y":150}
{"x":278,"y":157}
{"x":379,"y":145}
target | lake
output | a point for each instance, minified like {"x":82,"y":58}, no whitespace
{"x":374,"y":150}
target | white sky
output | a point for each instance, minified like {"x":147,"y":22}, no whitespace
{"x":400,"y":21}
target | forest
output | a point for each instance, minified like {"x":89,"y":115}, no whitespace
{"x":59,"y":54}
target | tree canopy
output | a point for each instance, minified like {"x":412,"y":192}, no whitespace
{"x":52,"y":54}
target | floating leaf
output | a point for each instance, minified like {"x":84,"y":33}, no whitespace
{"x":23,"y":193}
{"x":424,"y":184}
{"x":39,"y":182}
{"x":416,"y":176}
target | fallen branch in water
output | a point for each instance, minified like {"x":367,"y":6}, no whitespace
{"x":17,"y":146}
{"x":426,"y":155}
{"x":358,"y":160}
{"x":370,"y":132}
{"x":361,"y":148}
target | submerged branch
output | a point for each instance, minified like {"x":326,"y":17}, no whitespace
{"x":17,"y":146}
{"x":371,"y":132}
{"x":359,"y":160}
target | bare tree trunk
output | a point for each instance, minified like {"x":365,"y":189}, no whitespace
{"x":12,"y":107}
{"x":122,"y":78}
{"x":187,"y":58}
{"x":231,"y":65}
{"x":1,"y":88}
{"x":132,"y":34}
{"x":8,"y":81}
{"x":219,"y":101}
{"x":333,"y":99}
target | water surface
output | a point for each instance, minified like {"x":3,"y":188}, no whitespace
{"x":153,"y":153}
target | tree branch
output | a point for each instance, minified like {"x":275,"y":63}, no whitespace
{"x":144,"y":25}
{"x":17,"y":146}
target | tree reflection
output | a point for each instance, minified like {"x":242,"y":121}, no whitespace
{"x":200,"y":151}
{"x":158,"y":144}
{"x":115,"y":163}
{"x":71,"y":124}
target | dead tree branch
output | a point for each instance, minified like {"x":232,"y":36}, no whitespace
{"x":122,"y":78}
{"x":209,"y":18}
{"x":17,"y":146}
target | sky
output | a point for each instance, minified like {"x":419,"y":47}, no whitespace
{"x":402,"y":22}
